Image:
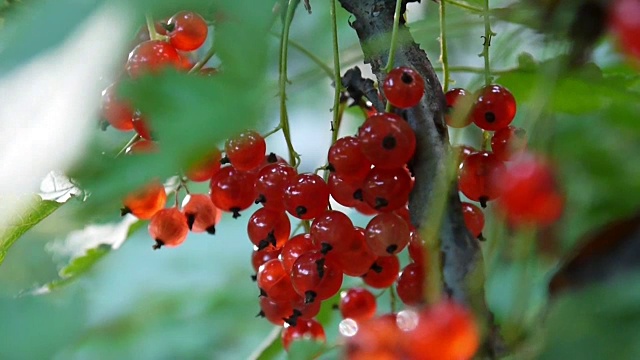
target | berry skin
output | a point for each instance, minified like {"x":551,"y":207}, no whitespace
{"x":145,"y":202}
{"x":259,"y":257}
{"x":168,"y":227}
{"x":116,"y":111}
{"x":275,"y":282}
{"x":140,"y":126}
{"x":383,"y":272}
{"x":358,"y":259}
{"x":508,"y":142}
{"x":410,"y":285}
{"x":387,"y":234}
{"x":358,"y":304}
{"x":315,"y":276}
{"x":332,"y":231}
{"x":458,"y":107}
{"x":268,"y":228}
{"x":494,"y":108}
{"x":152,"y":56}
{"x":480,"y":177}
{"x":623,"y":21}
{"x":206,"y":167}
{"x":473,"y":219}
{"x":531,"y":195}
{"x":271,"y":183}
{"x":347,"y":160}
{"x":344,"y":192}
{"x":307,"y":196}
{"x":232,"y":190}
{"x":142,"y":147}
{"x":417,"y":251}
{"x":387,"y":190}
{"x":296,"y":246}
{"x":189,"y":30}
{"x":377,"y":338}
{"x":201,"y":214}
{"x":275,"y":311}
{"x":403,"y":87}
{"x":387,"y":140}
{"x":304,"y":329}
{"x":461,"y":152}
{"x":246,"y":151}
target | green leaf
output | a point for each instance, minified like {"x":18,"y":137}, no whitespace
{"x":306,"y":349}
{"x":271,"y":348}
{"x":38,"y":210}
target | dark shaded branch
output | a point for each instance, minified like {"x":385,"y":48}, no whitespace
{"x":462,"y":261}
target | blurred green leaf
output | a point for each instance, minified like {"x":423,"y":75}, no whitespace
{"x":305,"y":349}
{"x":271,"y":348}
{"x":37,"y":211}
{"x":600,"y":322}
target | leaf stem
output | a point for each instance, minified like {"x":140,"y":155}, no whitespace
{"x":444,"y":57}
{"x":205,"y":59}
{"x":326,"y":69}
{"x":337,"y":80}
{"x":151,"y":27}
{"x":394,"y":37}
{"x":131,"y":141}
{"x":465,"y":6}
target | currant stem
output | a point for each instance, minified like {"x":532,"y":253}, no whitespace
{"x":488,"y":34}
{"x":444,"y":57}
{"x":394,"y":37}
{"x":337,"y":79}
{"x":393,"y":299}
{"x":202,"y":62}
{"x":151,"y":27}
{"x":272,"y":131}
{"x":294,"y":157}
{"x":465,"y":6}
{"x":316,"y":60}
{"x":133,"y":140}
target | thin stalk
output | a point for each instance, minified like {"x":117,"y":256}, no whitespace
{"x":202,"y":62}
{"x":294,"y":157}
{"x":444,"y":57}
{"x":488,"y":34}
{"x":134,"y":139}
{"x":465,"y":6}
{"x":394,"y":37}
{"x":393,"y":300}
{"x":294,"y":44}
{"x":272,"y":131}
{"x":151,"y":27}
{"x":337,"y":79}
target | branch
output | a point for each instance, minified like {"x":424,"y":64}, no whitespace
{"x":463,"y":272}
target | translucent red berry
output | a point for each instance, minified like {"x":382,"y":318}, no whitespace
{"x":461,"y":152}
{"x":295,"y":247}
{"x":358,"y":259}
{"x":494,"y":108}
{"x":308,"y":329}
{"x":387,"y":234}
{"x":473,"y":219}
{"x":332,"y":231}
{"x":358,"y":304}
{"x":383,"y":272}
{"x":410,"y":285}
{"x":246,"y":151}
{"x":152,"y":56}
{"x":531,"y":194}
{"x":268,"y":228}
{"x":307,"y":196}
{"x":315,"y":276}
{"x":345,"y":192}
{"x":459,"y":104}
{"x":145,"y":202}
{"x":387,"y":190}
{"x":403,"y":87}
{"x":200,"y":212}
{"x":272,"y":181}
{"x":417,"y":251}
{"x":508,"y":142}
{"x":387,"y":140}
{"x":623,"y":20}
{"x":259,"y":257}
{"x":188,"y":30}
{"x":140,"y":126}
{"x":205,"y":167}
{"x":377,"y":338}
{"x":232,"y":190}
{"x":168,"y":227}
{"x":274,"y":281}
{"x":275,"y":311}
{"x":481,"y":175}
{"x":142,"y":147}
{"x":347,"y":159}
{"x":118,"y":112}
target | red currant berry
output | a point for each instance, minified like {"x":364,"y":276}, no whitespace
{"x":410,"y":285}
{"x":494,"y":109}
{"x":305,"y":329}
{"x":365,"y":209}
{"x":387,"y":190}
{"x":116,"y":111}
{"x":302,"y":310}
{"x":152,"y":56}
{"x":461,"y":152}
{"x":307,"y":196}
{"x":206,"y":167}
{"x":347,"y":160}
{"x":383,"y":272}
{"x":358,"y":259}
{"x":473,"y":219}
{"x":189,"y":30}
{"x":403,"y":87}
{"x":332,"y":231}
{"x":480,"y":177}
{"x":358,"y":304}
{"x":508,"y":142}
{"x":200,"y":212}
{"x":275,"y":311}
{"x":387,"y":140}
{"x":246,"y":151}
{"x":315,"y":276}
{"x":623,"y":20}
{"x":168,"y":227}
{"x":377,"y":338}
{"x":272,"y":181}
{"x":458,"y":107}
{"x":268,"y":228}
{"x":232,"y":190}
{"x":344,"y":192}
{"x":259,"y":257}
{"x":142,"y":147}
{"x":296,"y":246}
{"x":274,"y":281}
{"x":387,"y":234}
{"x":140,"y":126}
{"x":146,"y":202}
{"x":417,"y":251}
{"x":531,"y":194}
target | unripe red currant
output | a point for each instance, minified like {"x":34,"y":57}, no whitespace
{"x":205,"y":167}
{"x":403,"y":87}
{"x":307,"y":196}
{"x":387,"y":190}
{"x":508,"y":142}
{"x":459,"y":105}
{"x":473,"y":219}
{"x":189,"y":30}
{"x":383,"y":272}
{"x":152,"y":56}
{"x":480,"y":177}
{"x":145,"y":202}
{"x":304,"y":329}
{"x":358,"y":304}
{"x":168,"y":227}
{"x":494,"y":109}
{"x":410,"y":285}
{"x":268,"y":228}
{"x":200,"y":212}
{"x":246,"y":151}
{"x":118,"y":112}
{"x":232,"y":190}
{"x":387,"y":234}
{"x":347,"y":160}
{"x":387,"y":140}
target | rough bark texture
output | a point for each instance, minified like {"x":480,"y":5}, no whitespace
{"x":462,"y":260}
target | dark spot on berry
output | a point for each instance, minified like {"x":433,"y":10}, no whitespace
{"x":271,"y":238}
{"x":254,"y":277}
{"x":377,"y":268}
{"x":293,"y":319}
{"x":191,"y":218}
{"x":301,"y":210}
{"x":124,"y":211}
{"x":159,"y":243}
{"x":406,"y":78}
{"x":272,"y":158}
{"x":483,"y":201}
{"x":224,"y":160}
{"x":262,"y":292}
{"x":309,"y":296}
{"x":211,"y":230}
{"x":481,"y":238}
{"x":236,"y":212}
{"x":325,"y":248}
{"x":261,"y":314}
{"x":261,"y":199}
{"x":320,"y":268}
{"x":380,"y":203}
{"x":358,"y":195}
{"x":391,"y":249}
{"x":490,"y":116}
{"x":389,"y":142}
